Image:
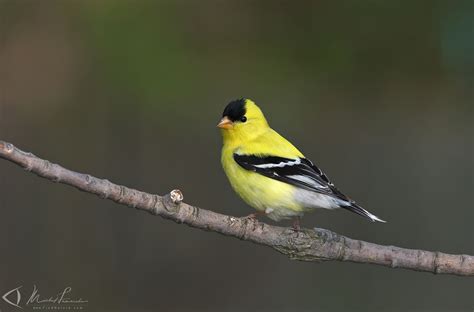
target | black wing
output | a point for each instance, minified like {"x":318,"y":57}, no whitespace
{"x":302,"y":173}
{"x":299,"y":172}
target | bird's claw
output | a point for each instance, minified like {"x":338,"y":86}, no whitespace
{"x":296,"y":225}
{"x":252,"y":216}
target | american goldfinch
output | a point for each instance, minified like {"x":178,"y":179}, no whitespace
{"x":269,"y":173}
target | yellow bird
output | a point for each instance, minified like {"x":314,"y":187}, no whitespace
{"x":269,"y":173}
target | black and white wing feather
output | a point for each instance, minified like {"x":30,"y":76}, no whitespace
{"x":302,"y":173}
{"x":299,"y":172}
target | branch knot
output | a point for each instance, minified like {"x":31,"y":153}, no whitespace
{"x":176,"y":196}
{"x":172,"y":201}
{"x":9,"y":148}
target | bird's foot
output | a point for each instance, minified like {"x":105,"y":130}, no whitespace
{"x":297,"y":224}
{"x":253,"y":216}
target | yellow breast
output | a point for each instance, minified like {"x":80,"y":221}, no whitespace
{"x":257,"y":190}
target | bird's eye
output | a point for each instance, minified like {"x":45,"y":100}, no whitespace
{"x":243,"y":119}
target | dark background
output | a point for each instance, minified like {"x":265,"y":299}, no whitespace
{"x":378,"y":93}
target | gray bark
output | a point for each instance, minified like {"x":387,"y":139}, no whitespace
{"x":306,"y":245}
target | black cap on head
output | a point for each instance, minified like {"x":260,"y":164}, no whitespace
{"x":235,"y":110}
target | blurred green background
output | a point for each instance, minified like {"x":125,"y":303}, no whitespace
{"x":379,"y":94}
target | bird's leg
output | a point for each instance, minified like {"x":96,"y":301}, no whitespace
{"x":255,"y":215}
{"x":296,"y":224}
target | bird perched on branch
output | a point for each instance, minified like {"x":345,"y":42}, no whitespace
{"x":269,"y":173}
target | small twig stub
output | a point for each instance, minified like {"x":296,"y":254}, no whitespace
{"x":176,"y":196}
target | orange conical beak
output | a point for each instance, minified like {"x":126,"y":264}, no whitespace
{"x":225,"y":123}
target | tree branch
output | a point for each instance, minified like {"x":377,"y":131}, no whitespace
{"x":307,"y":245}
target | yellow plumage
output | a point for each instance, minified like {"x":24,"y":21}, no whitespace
{"x":269,"y":173}
{"x":257,"y":138}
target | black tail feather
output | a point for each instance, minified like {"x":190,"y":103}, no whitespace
{"x":362,"y":212}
